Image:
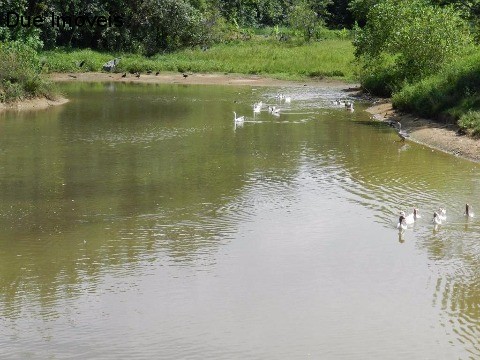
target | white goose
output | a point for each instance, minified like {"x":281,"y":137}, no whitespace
{"x":442,"y":214}
{"x":436,"y":219}
{"x":238,"y":120}
{"x":274,"y":111}
{"x":402,"y":225}
{"x":402,"y":133}
{"x":288,"y":99}
{"x":349,"y":106}
{"x":411,"y":218}
{"x":468,"y":212}
{"x":257,"y":107}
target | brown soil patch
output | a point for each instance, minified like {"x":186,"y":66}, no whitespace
{"x":206,"y":79}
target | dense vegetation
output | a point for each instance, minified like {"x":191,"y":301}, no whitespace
{"x":425,"y":55}
{"x":20,"y":73}
{"x":285,"y":38}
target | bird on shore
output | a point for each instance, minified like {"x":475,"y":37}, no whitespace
{"x":158,"y":72}
{"x":185,"y":76}
{"x":124,"y":75}
{"x":402,"y":134}
{"x":257,"y":107}
{"x":468,"y":212}
{"x":137,"y":74}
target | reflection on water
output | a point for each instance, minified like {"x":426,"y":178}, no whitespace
{"x":138,"y":221}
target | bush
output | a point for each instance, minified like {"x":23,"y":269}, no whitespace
{"x":454,"y":90}
{"x":418,"y":37}
{"x":470,"y":121}
{"x":20,"y":69}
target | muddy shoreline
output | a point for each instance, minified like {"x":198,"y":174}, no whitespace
{"x":442,"y":137}
{"x":32,"y":104}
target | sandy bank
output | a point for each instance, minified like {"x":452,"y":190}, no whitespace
{"x":201,"y":79}
{"x":438,"y":136}
{"x":32,"y":104}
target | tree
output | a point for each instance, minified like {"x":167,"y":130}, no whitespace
{"x":416,"y":37}
{"x":360,"y":9}
{"x":305,"y":20}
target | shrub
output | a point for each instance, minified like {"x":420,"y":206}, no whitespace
{"x":419,"y":37}
{"x":470,"y":121}
{"x":20,"y":69}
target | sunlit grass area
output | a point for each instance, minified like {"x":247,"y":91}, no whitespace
{"x":331,"y":58}
{"x":452,"y":93}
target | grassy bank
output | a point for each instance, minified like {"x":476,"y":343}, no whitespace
{"x":284,"y":60}
{"x":451,"y":95}
{"x":20,"y":74}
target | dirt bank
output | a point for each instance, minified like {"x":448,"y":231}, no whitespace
{"x":443,"y":137}
{"x":207,"y":79}
{"x":32,"y":104}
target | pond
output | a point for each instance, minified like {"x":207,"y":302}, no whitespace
{"x":139,"y":222}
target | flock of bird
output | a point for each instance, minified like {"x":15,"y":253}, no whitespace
{"x":347,"y":103}
{"x":404,"y":220}
{"x":275,"y":111}
{"x":257,"y":108}
{"x":439,"y":217}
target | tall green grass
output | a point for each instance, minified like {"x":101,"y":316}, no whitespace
{"x":20,"y":74}
{"x":288,"y":60}
{"x":452,"y":93}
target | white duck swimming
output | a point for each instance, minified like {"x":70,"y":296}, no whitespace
{"x":238,"y":120}
{"x":401,"y":222}
{"x":442,"y":214}
{"x":275,"y":111}
{"x":411,"y":218}
{"x":468,"y":212}
{"x":436,"y":219}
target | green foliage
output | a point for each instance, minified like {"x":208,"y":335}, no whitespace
{"x":168,"y":25}
{"x":470,"y":121}
{"x":418,"y":36}
{"x":360,"y":9}
{"x":20,"y":73}
{"x":454,"y":92}
{"x":305,"y":20}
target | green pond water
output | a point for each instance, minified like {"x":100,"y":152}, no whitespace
{"x":137,"y":222}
